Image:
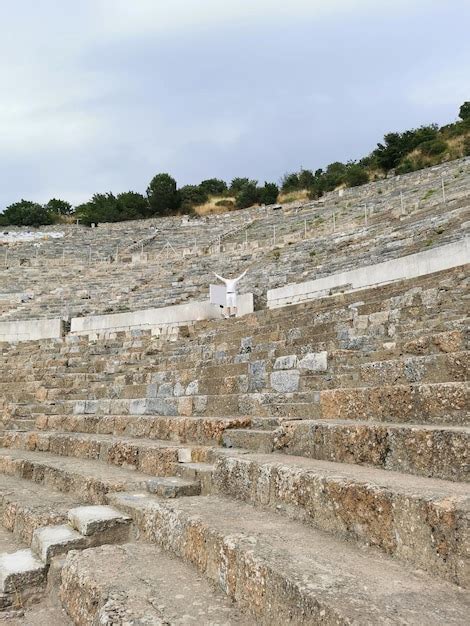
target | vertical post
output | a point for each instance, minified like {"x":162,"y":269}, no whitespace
{"x":142,"y":248}
{"x":89,"y":255}
{"x":117,"y":254}
{"x":443,"y":190}
{"x":274,"y":235}
{"x":401,"y":203}
{"x":305,"y":229}
{"x":6,"y":256}
{"x":63,"y":256}
{"x":365,"y":214}
{"x":334,"y":222}
{"x":246,"y":237}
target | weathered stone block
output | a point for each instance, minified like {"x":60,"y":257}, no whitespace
{"x":314,"y":362}
{"x":285,"y":381}
{"x":286,"y":362}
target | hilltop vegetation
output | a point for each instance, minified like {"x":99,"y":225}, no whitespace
{"x":398,"y":153}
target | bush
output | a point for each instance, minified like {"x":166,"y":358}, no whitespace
{"x":269,"y":193}
{"x":59,"y":207}
{"x":132,"y":205}
{"x":248,"y":195}
{"x":191,"y":195}
{"x":433,"y":147}
{"x":356,"y":175}
{"x":162,"y":195}
{"x":290,"y":182}
{"x":466,"y":146}
{"x":237,"y":185}
{"x":214,"y":187}
{"x":405,"y":167}
{"x":26,"y":213}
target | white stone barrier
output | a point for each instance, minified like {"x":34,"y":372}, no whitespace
{"x":159,"y":319}
{"x":31,"y":330}
{"x":419,"y":264}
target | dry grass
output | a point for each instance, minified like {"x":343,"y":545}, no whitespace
{"x":293,"y":196}
{"x":211,"y":208}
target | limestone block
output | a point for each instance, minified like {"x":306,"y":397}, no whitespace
{"x":89,"y":520}
{"x":286,"y":362}
{"x":285,"y":381}
{"x":314,"y":362}
{"x":49,"y":541}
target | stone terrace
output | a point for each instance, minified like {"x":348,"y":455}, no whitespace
{"x":272,"y":461}
{"x":302,"y":465}
{"x":73,"y":276}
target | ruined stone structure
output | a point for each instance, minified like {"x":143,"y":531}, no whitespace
{"x":305,"y":464}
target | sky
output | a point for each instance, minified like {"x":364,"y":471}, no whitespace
{"x":101,"y":95}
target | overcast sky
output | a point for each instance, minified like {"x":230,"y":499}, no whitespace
{"x":100,"y":95}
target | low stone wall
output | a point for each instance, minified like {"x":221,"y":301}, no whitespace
{"x":155,"y":319}
{"x":31,"y":330}
{"x":411,"y":266}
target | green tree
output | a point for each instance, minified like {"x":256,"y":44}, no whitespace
{"x":103,"y":207}
{"x":190,"y":196}
{"x":306,"y":179}
{"x":214,"y":186}
{"x":162,"y":195}
{"x":248,"y":195}
{"x":132,"y":205}
{"x":26,"y":213}
{"x":433,"y":147}
{"x":268,"y":194}
{"x":356,"y":175}
{"x":237,"y":185}
{"x":464,"y":111}
{"x":290,"y":182}
{"x":60,"y":207}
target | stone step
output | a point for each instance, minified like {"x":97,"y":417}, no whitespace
{"x":202,"y":430}
{"x":26,"y":506}
{"x":202,"y":473}
{"x":150,"y":456}
{"x":427,"y":403}
{"x":88,"y":481}
{"x":23,"y":578}
{"x":140,"y":583}
{"x":250,"y":439}
{"x":284,"y":572}
{"x":174,"y":486}
{"x":423,"y":450}
{"x":424,"y":521}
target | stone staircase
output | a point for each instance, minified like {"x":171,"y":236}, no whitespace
{"x":305,"y":465}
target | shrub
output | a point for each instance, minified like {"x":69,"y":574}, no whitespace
{"x":229,"y":204}
{"x":405,"y":167}
{"x":26,"y":213}
{"x":248,"y":195}
{"x":214,"y":186}
{"x":191,"y":195}
{"x":269,"y":193}
{"x":433,"y":147}
{"x":237,"y":185}
{"x":59,"y":207}
{"x":356,"y":175}
{"x":290,"y":182}
{"x":466,"y":146}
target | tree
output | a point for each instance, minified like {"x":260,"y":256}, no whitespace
{"x":306,"y":179}
{"x":26,"y":213}
{"x":237,"y":185}
{"x":290,"y":182}
{"x":60,"y":207}
{"x":356,"y":175}
{"x":464,"y":111}
{"x":103,"y":207}
{"x":269,"y":193}
{"x":162,"y":194}
{"x":190,"y":196}
{"x":248,"y":195}
{"x":214,"y":186}
{"x":132,"y":205}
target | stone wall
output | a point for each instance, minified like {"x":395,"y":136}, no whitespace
{"x":30,"y":330}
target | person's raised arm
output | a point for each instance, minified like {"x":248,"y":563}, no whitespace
{"x":241,"y":276}
{"x":219,"y":277}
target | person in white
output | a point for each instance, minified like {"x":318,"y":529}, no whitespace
{"x":231,"y":292}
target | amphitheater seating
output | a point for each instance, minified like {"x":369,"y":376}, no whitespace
{"x":305,"y":465}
